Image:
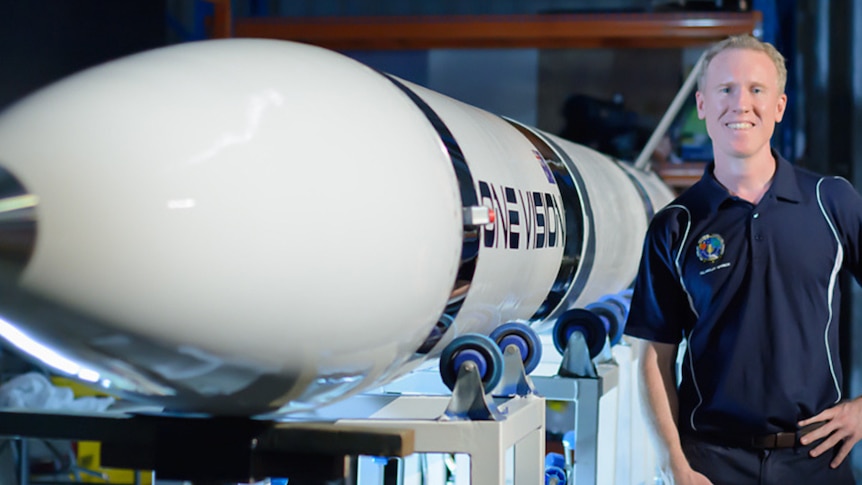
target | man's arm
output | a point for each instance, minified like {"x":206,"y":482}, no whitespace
{"x":842,"y":423}
{"x":661,"y":406}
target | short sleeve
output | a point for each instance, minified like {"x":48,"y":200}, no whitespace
{"x":844,"y":205}
{"x":660,"y":308}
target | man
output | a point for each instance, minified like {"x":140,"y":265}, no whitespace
{"x":743,"y":268}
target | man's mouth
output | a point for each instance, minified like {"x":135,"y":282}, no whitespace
{"x":740,"y":126}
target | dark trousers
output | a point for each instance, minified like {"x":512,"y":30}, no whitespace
{"x":725,"y":465}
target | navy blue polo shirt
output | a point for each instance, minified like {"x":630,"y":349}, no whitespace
{"x":754,"y":292}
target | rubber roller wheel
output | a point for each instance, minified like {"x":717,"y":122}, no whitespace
{"x":615,"y":318}
{"x":584,"y":321}
{"x":480,"y":350}
{"x":619,"y":301}
{"x":555,"y":476}
{"x":522,"y":336}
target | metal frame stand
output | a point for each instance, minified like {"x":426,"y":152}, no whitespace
{"x":596,"y":400}
{"x":469,"y":422}
{"x":222,"y":450}
{"x":612,"y":439}
{"x":486,"y":441}
{"x":311,"y":449}
{"x":514,"y":421}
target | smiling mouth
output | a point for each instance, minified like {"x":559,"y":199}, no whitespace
{"x":740,"y":126}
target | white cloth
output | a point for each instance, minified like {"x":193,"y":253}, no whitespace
{"x":35,"y":391}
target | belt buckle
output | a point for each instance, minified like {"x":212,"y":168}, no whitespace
{"x":786,"y":440}
{"x":774,"y":440}
{"x":763,"y":441}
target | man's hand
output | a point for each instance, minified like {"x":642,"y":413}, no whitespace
{"x":842,"y":425}
{"x":685,"y":475}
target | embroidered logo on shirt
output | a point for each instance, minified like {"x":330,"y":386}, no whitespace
{"x":710,"y":248}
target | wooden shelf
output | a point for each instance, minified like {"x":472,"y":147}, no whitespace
{"x":620,"y":30}
{"x":680,"y":176}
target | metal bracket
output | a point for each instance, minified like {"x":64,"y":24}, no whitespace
{"x":515,"y":381}
{"x":576,"y":359}
{"x":469,"y":401}
{"x":606,"y":356}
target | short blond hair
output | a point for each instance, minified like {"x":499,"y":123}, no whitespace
{"x":749,"y":42}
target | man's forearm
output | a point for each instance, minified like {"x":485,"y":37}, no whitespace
{"x":659,"y":394}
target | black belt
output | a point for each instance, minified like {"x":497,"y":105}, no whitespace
{"x":784,"y":439}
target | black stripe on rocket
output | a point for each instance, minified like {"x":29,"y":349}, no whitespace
{"x":470,"y":245}
{"x":580,"y":245}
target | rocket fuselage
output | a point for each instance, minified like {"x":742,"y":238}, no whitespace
{"x":241,"y":226}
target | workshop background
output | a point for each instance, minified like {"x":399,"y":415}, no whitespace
{"x":595,"y":89}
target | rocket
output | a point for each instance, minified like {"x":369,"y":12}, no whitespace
{"x":243,"y":226}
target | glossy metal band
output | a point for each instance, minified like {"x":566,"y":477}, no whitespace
{"x":470,"y":245}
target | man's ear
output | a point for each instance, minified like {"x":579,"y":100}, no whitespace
{"x":699,"y":102}
{"x":779,"y":107}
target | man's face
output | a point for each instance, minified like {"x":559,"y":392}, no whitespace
{"x":740,"y":102}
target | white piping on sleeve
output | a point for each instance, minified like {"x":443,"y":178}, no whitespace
{"x":693,"y":310}
{"x":839,"y":259}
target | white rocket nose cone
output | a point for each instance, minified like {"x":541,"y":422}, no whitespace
{"x":241,"y":205}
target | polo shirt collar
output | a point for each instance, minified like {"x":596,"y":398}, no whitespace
{"x":783,"y":186}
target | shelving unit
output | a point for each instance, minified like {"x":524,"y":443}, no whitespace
{"x":646,"y":30}
{"x":680,"y":176}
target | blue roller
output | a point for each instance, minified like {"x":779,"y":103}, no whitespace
{"x":476,"y":348}
{"x":555,"y":476}
{"x":619,"y":300}
{"x":515,"y":340}
{"x":471,"y":355}
{"x":524,"y":338}
{"x":612,"y":316}
{"x":627,"y":293}
{"x":555,"y":459}
{"x":584,"y":321}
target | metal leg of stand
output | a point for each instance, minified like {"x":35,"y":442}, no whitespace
{"x":393,"y":471}
{"x":23,"y":462}
{"x":488,"y":464}
{"x":587,"y":431}
{"x":351,"y":469}
{"x":526,"y":466}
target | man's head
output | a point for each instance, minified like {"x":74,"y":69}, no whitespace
{"x":741,"y":97}
{"x":745,"y":42}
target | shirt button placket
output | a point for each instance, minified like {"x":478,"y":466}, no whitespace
{"x":757,"y":246}
{"x":757,"y":235}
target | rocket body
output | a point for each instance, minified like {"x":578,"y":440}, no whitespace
{"x":242,"y":226}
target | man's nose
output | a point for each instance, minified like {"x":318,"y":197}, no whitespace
{"x":742,"y":101}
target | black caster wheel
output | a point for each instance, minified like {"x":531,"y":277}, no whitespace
{"x":475,"y":348}
{"x":584,"y":321}
{"x":615,"y":318}
{"x":522,"y":336}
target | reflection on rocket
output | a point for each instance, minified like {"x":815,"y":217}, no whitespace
{"x":239,"y":226}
